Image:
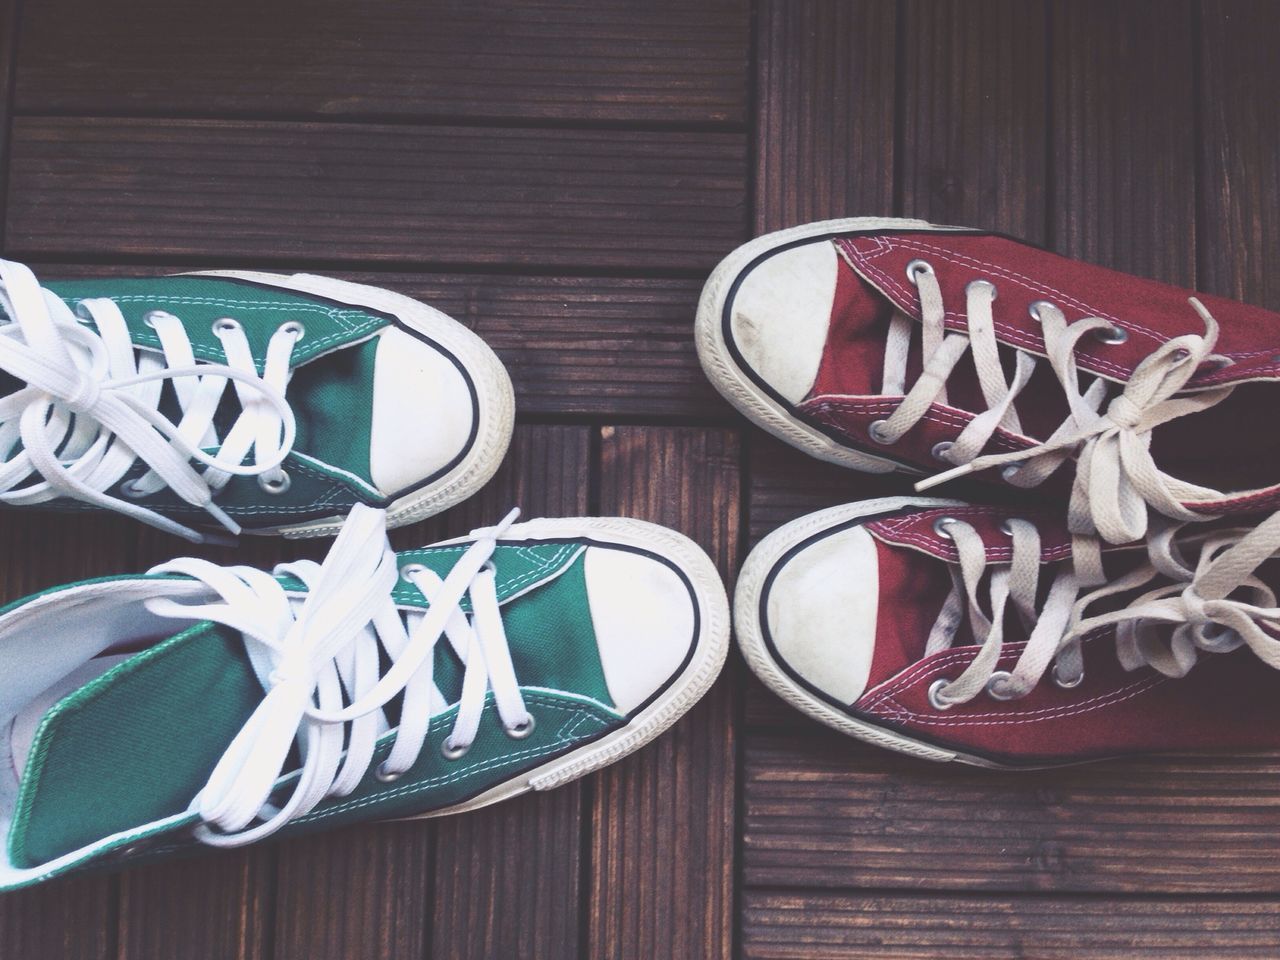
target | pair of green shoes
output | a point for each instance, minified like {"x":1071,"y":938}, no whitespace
{"x":196,"y":704}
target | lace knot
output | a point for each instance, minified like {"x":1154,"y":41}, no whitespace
{"x":83,"y":396}
{"x":1124,"y":413}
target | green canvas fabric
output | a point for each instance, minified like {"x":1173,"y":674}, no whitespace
{"x":122,"y":746}
{"x":138,"y":743}
{"x":330,"y":393}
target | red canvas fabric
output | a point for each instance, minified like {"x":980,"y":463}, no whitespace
{"x":1227,"y":702}
{"x":1220,"y":448}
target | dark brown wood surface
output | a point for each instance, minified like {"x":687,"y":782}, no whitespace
{"x":560,"y":175}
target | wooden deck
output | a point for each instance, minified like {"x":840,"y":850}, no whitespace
{"x":561,"y":175}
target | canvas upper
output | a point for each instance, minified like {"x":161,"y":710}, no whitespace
{"x":862,"y":617}
{"x":345,"y":394}
{"x":886,"y":344}
{"x":195,"y":703}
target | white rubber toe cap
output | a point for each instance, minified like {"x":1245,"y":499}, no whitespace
{"x":643,"y":616}
{"x":781,"y":313}
{"x":821,"y":611}
{"x":423,"y":412}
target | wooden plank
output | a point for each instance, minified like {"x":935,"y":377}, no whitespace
{"x":1239,"y":224}
{"x":351,"y":193}
{"x":358,"y":892}
{"x":808,"y":926}
{"x":974,"y":128}
{"x":8,"y":49}
{"x":584,"y":345}
{"x":600,"y":346}
{"x":70,"y":920}
{"x":214,"y":908}
{"x":1123,"y":136}
{"x":824,"y":136}
{"x":615,"y":60}
{"x":662,"y":863}
{"x":506,"y":877}
{"x":825,"y":811}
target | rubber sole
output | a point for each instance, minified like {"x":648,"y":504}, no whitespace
{"x":746,"y":615}
{"x":689,"y":686}
{"x":736,"y":385}
{"x":494,"y":394}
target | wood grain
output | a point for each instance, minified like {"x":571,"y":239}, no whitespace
{"x":662,"y":61}
{"x":974,"y":118}
{"x":214,"y":908}
{"x":824,"y":136}
{"x":342,"y":192}
{"x":8,"y":49}
{"x":817,"y":926}
{"x":321,"y":914}
{"x":1238,"y":227}
{"x":663,"y":819}
{"x":1122,"y":137}
{"x":826,"y":811}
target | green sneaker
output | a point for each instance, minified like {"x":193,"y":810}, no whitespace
{"x":142,"y":716}
{"x":241,"y":400}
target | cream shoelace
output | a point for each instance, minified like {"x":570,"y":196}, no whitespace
{"x":1116,"y":478}
{"x":1214,"y":605}
{"x":319,"y":658}
{"x":89,"y":409}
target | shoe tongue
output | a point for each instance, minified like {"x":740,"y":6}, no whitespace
{"x":133,"y":745}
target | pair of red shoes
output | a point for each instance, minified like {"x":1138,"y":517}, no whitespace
{"x":1125,"y":612}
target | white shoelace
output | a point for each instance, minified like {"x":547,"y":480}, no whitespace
{"x":319,"y":661}
{"x":1116,"y":478}
{"x":1215,"y":605}
{"x":89,"y":409}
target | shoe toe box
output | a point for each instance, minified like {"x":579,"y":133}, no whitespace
{"x":820,"y":612}
{"x":781,"y":314}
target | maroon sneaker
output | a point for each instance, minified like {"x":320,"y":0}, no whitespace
{"x":957,"y":632}
{"x":897,"y":344}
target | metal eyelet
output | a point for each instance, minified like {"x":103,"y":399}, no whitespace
{"x":131,"y":850}
{"x":1067,"y":683}
{"x":1214,"y":364}
{"x":875,"y":432}
{"x":520,"y":731}
{"x":1011,"y":471}
{"x":917,"y":268}
{"x":941,"y":449}
{"x":940,"y":526}
{"x":275,"y":485}
{"x":450,"y":752}
{"x":996,"y":679}
{"x":226,"y":325}
{"x":131,"y":490}
{"x":1180,"y":355}
{"x":979,"y":284}
{"x":935,"y":694}
{"x":151,"y":316}
{"x":1006,"y":527}
{"x":411,"y":570}
{"x":1111,"y":335}
{"x":385,"y":775}
{"x":294,"y":327}
{"x":1036,"y":307}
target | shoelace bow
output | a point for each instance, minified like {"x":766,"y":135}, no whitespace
{"x":319,"y":662}
{"x":1116,"y":479}
{"x":1215,"y":605}
{"x":89,"y":409}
